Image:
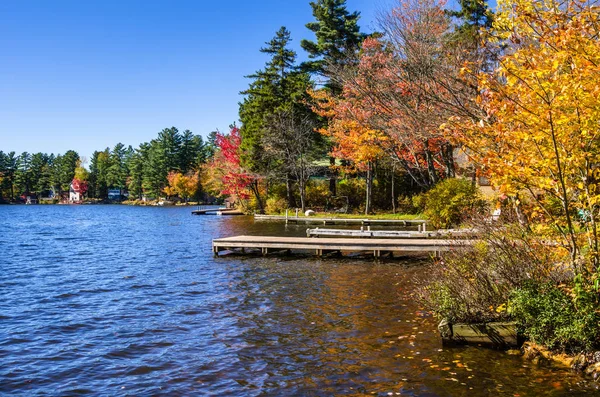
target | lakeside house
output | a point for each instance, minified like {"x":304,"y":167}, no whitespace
{"x":74,"y":196}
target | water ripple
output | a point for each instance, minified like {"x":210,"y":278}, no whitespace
{"x":114,"y":300}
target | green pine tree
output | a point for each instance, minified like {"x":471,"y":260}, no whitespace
{"x":337,"y":33}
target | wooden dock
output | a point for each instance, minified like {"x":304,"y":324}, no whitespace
{"x":209,"y":211}
{"x":368,"y":233}
{"x":218,"y":211}
{"x":322,"y":246}
{"x":343,"y":221}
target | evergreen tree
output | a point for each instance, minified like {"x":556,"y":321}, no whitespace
{"x":211,"y":145}
{"x":190,"y":147}
{"x":472,"y":16}
{"x":169,"y":140}
{"x":40,"y":173}
{"x":136,"y":171}
{"x":280,"y":86}
{"x":67,"y":166}
{"x":23,"y":176}
{"x":338,"y":36}
{"x":338,"y":39}
{"x":2,"y":174}
{"x":116,"y":174}
{"x":155,"y":169}
{"x":10,"y":171}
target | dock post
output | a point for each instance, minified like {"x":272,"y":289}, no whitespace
{"x":286,"y":216}
{"x":296,"y":213}
{"x":424,"y":226}
{"x":265,"y":251}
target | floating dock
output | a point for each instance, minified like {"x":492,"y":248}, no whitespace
{"x":322,"y":246}
{"x":218,"y":211}
{"x":343,"y":221}
{"x":368,"y":233}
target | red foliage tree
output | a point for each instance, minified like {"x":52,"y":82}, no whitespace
{"x":80,"y":186}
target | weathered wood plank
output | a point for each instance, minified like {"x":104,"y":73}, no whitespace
{"x":497,"y":334}
{"x":318,"y":246}
{"x":341,"y":221}
{"x":208,"y":211}
{"x":318,"y":232}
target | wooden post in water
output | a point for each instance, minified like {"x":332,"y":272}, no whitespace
{"x":286,"y":216}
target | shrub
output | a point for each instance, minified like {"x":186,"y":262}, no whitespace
{"x":474,"y":283}
{"x":355,"y":189}
{"x":553,"y":317}
{"x":316,"y":193}
{"x":276,"y":205}
{"x":448,"y":202}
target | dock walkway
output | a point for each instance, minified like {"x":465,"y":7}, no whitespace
{"x":343,"y":221}
{"x":362,"y":233}
{"x":321,"y":246}
{"x":218,"y":211}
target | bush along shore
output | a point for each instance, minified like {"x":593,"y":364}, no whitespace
{"x":517,"y":274}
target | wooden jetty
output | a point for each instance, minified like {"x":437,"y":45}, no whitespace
{"x":322,"y":246}
{"x":368,"y":233}
{"x":208,"y":211}
{"x":218,"y":211}
{"x":344,"y":221}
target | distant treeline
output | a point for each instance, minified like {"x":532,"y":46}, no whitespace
{"x":141,"y":170}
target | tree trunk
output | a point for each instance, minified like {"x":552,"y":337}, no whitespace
{"x":333,"y":179}
{"x":448,"y":154}
{"x":255,"y":190}
{"x":289,"y":193}
{"x":302,"y":188}
{"x":393,"y":188}
{"x":369,"y":188}
{"x":433,"y":177}
{"x":519,"y":211}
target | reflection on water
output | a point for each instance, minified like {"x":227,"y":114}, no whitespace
{"x":109,"y":300}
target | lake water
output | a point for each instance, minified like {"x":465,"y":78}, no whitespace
{"x":116,"y":300}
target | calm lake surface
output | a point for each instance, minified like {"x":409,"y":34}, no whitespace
{"x":116,"y":300}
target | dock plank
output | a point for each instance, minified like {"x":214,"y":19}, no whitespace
{"x":321,"y":245}
{"x":341,"y":221}
{"x":442,"y":234}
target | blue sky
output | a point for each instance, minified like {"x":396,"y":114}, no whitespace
{"x":85,"y":75}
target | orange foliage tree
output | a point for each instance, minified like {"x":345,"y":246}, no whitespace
{"x":405,"y":85}
{"x":185,"y":186}
{"x":540,"y":133}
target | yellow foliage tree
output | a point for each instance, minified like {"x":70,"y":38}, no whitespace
{"x":185,"y":186}
{"x":541,"y":133}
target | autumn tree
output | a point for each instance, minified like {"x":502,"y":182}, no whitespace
{"x":80,"y":178}
{"x":224,"y":174}
{"x":185,"y":186}
{"x":387,"y":102}
{"x":540,"y":132}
